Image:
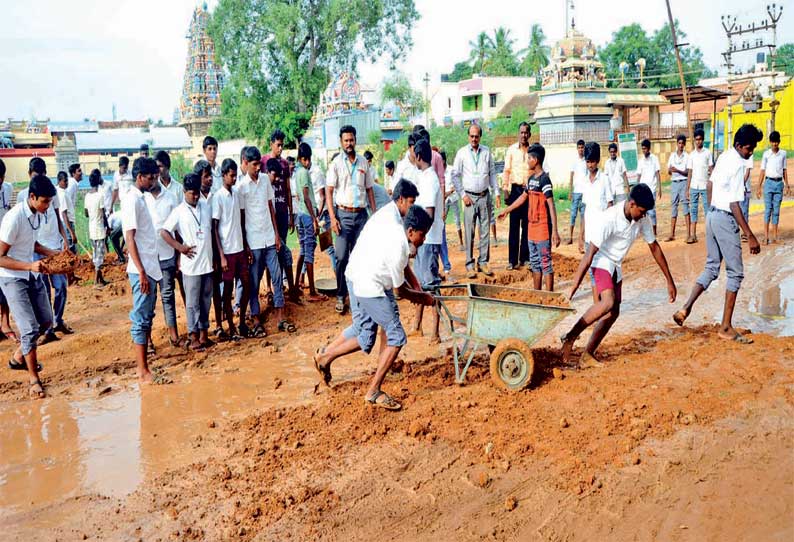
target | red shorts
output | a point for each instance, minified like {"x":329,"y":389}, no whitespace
{"x":236,"y":266}
{"x":605,"y":281}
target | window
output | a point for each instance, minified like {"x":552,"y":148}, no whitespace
{"x":492,"y":97}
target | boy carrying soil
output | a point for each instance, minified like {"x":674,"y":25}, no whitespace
{"x":542,"y":228}
{"x":726,"y":188}
{"x":379,"y":264}
{"x":613,"y":234}
{"x":20,"y":279}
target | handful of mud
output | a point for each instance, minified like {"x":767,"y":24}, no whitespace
{"x":59,"y":264}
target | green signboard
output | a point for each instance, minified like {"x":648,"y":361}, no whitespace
{"x":627,"y":145}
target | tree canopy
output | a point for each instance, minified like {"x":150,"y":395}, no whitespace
{"x":495,"y":55}
{"x":280,"y":54}
{"x":397,"y":88}
{"x":784,"y":58}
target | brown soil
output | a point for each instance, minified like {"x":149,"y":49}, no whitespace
{"x":531,"y":297}
{"x":63,"y":262}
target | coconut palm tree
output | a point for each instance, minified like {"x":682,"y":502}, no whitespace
{"x":480,"y":50}
{"x":501,"y":58}
{"x":536,"y":55}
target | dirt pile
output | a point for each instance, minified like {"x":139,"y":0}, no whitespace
{"x":61,"y":263}
{"x":532,"y":297}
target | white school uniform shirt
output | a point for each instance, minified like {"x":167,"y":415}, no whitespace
{"x":699,"y":162}
{"x":614,"y":170}
{"x":474,"y":171}
{"x":389,"y":182}
{"x":217,"y":177}
{"x":430,"y":196}
{"x":727,"y":180}
{"x":64,"y":202}
{"x":596,"y":196}
{"x":678,"y":161}
{"x":135,"y":215}
{"x":773,"y":163}
{"x":175,"y":188}
{"x":648,"y":168}
{"x":95,"y":205}
{"x":350,"y":180}
{"x":254,"y":199}
{"x":405,"y":170}
{"x":614,"y":234}
{"x":226,"y":207}
{"x":194,"y":224}
{"x":377,"y":263}
{"x":122,"y":183}
{"x":579,"y":170}
{"x":48,"y":233}
{"x":159,"y":209}
{"x":71,"y":192}
{"x":6,"y":195}
{"x":19,"y":231}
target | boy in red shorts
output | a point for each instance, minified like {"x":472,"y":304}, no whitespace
{"x":612,"y":234}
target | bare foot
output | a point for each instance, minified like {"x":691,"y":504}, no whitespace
{"x":680,"y":317}
{"x":146,"y":377}
{"x":733,"y":335}
{"x":434,"y":340}
{"x":567,"y":347}
{"x":588,"y":361}
{"x":671,"y":238}
{"x":416,"y":332}
{"x":322,"y":368}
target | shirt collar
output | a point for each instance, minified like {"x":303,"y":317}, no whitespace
{"x":28,"y":211}
{"x":479,"y":148}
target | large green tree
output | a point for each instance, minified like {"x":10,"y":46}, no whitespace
{"x":480,"y":52}
{"x":501,"y":58}
{"x":784,"y":58}
{"x":536,"y":55}
{"x":397,"y":88}
{"x":630,"y":43}
{"x":280,"y":54}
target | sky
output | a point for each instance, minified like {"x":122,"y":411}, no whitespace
{"x":69,"y":60}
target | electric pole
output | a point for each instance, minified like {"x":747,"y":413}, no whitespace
{"x":427,"y":100}
{"x":684,"y":90}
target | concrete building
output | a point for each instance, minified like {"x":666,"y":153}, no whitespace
{"x":476,"y":99}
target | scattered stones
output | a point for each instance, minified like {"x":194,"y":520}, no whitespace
{"x":489,"y":449}
{"x":211,"y":424}
{"x":558,"y":374}
{"x":635,"y":459}
{"x":483,"y":479}
{"x":511,"y":503}
{"x":277,"y":382}
{"x":417,"y":429}
{"x":104,"y":391}
{"x":564,"y":423}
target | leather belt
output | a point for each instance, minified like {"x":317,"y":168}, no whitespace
{"x":476,"y":194}
{"x":351,"y":209}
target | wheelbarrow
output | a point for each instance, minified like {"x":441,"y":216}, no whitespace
{"x":506,"y":327}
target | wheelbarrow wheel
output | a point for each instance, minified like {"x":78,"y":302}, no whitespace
{"x":512,"y":364}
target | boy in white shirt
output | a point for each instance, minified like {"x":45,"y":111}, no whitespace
{"x":143,"y":265}
{"x":596,"y":191}
{"x":615,"y":168}
{"x":66,"y":210}
{"x":578,"y":173}
{"x":6,"y":193}
{"x":94,"y":209}
{"x":378,"y":265}
{"x":210,"y":148}
{"x":232,"y":256}
{"x":676,"y":167}
{"x":698,"y":167}
{"x":166,"y":181}
{"x":773,"y":177}
{"x":722,"y":231}
{"x":122,"y":180}
{"x":20,"y":279}
{"x":648,"y":166}
{"x":427,"y":256}
{"x":614,"y":233}
{"x":192,"y":220}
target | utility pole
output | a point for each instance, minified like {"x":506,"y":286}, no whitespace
{"x":427,"y":100}
{"x":684,"y":90}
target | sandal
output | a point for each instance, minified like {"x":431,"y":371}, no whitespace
{"x":340,"y":307}
{"x":179,"y":343}
{"x":324,"y":370}
{"x":199,"y":348}
{"x":258,"y":332}
{"x":208,"y":343}
{"x":388,"y":401}
{"x":287,"y":326}
{"x":151,"y":350}
{"x":739,"y":338}
{"x":10,"y":335}
{"x":317,"y":297}
{"x":36,"y":393}
{"x":15,"y":365}
{"x":242,"y":333}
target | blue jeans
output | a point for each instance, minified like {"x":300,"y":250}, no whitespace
{"x":29,"y":307}
{"x":577,"y":206}
{"x":265,"y":257}
{"x":695,"y":195}
{"x":142,"y":313}
{"x":285,"y":254}
{"x":445,"y":251}
{"x":540,"y":257}
{"x":370,"y":313}
{"x":167,"y":291}
{"x":426,"y":265}
{"x":306,"y":236}
{"x":325,"y":220}
{"x":773,"y":196}
{"x":678,"y":196}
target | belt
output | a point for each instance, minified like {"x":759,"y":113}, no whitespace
{"x":774,"y":178}
{"x":715,"y":210}
{"x":476,"y":194}
{"x":351,"y":209}
{"x":678,"y":180}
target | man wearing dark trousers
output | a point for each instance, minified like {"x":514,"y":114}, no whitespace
{"x":516,"y":174}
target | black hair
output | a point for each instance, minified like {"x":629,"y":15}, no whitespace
{"x":680,"y":137}
{"x":422,"y":150}
{"x":242,"y":152}
{"x":291,"y":160}
{"x":443,"y":156}
{"x":700,"y":132}
{"x":252,"y":154}
{"x":192,"y":182}
{"x":774,"y":137}
{"x":389,"y":164}
{"x":592,"y":152}
{"x":143,"y":165}
{"x":124,"y":161}
{"x":417,"y":219}
{"x":479,"y":129}
{"x":525,"y":123}
{"x":646,"y":143}
{"x":580,"y":142}
{"x":2,"y":169}
{"x":227,"y":165}
{"x":41,"y":187}
{"x":95,"y":178}
{"x":412,"y":139}
{"x":73,"y":169}
{"x":274,"y":165}
{"x":201,"y":167}
{"x":641,"y":195}
{"x":37,"y":166}
{"x":423,"y":134}
{"x":163,"y":158}
{"x":61,"y":176}
{"x":347,"y":129}
{"x":747,"y":134}
{"x":209,"y":140}
{"x":144,"y":147}
{"x":368,"y":156}
{"x":538,"y":151}
{"x":613,"y":147}
{"x":334,"y":156}
{"x":277,"y":135}
{"x":404,"y":189}
{"x":304,"y":150}
{"x":418,"y":127}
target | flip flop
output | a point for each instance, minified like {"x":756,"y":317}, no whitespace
{"x":258,"y":332}
{"x":324,"y":370}
{"x":36,"y":394}
{"x":388,"y":401}
{"x":340,"y":307}
{"x":286,"y":325}
{"x":10,"y":335}
{"x":739,"y":338}
{"x":316,"y":298}
{"x":20,"y":365}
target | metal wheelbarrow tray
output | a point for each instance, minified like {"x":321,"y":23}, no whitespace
{"x":506,"y":326}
